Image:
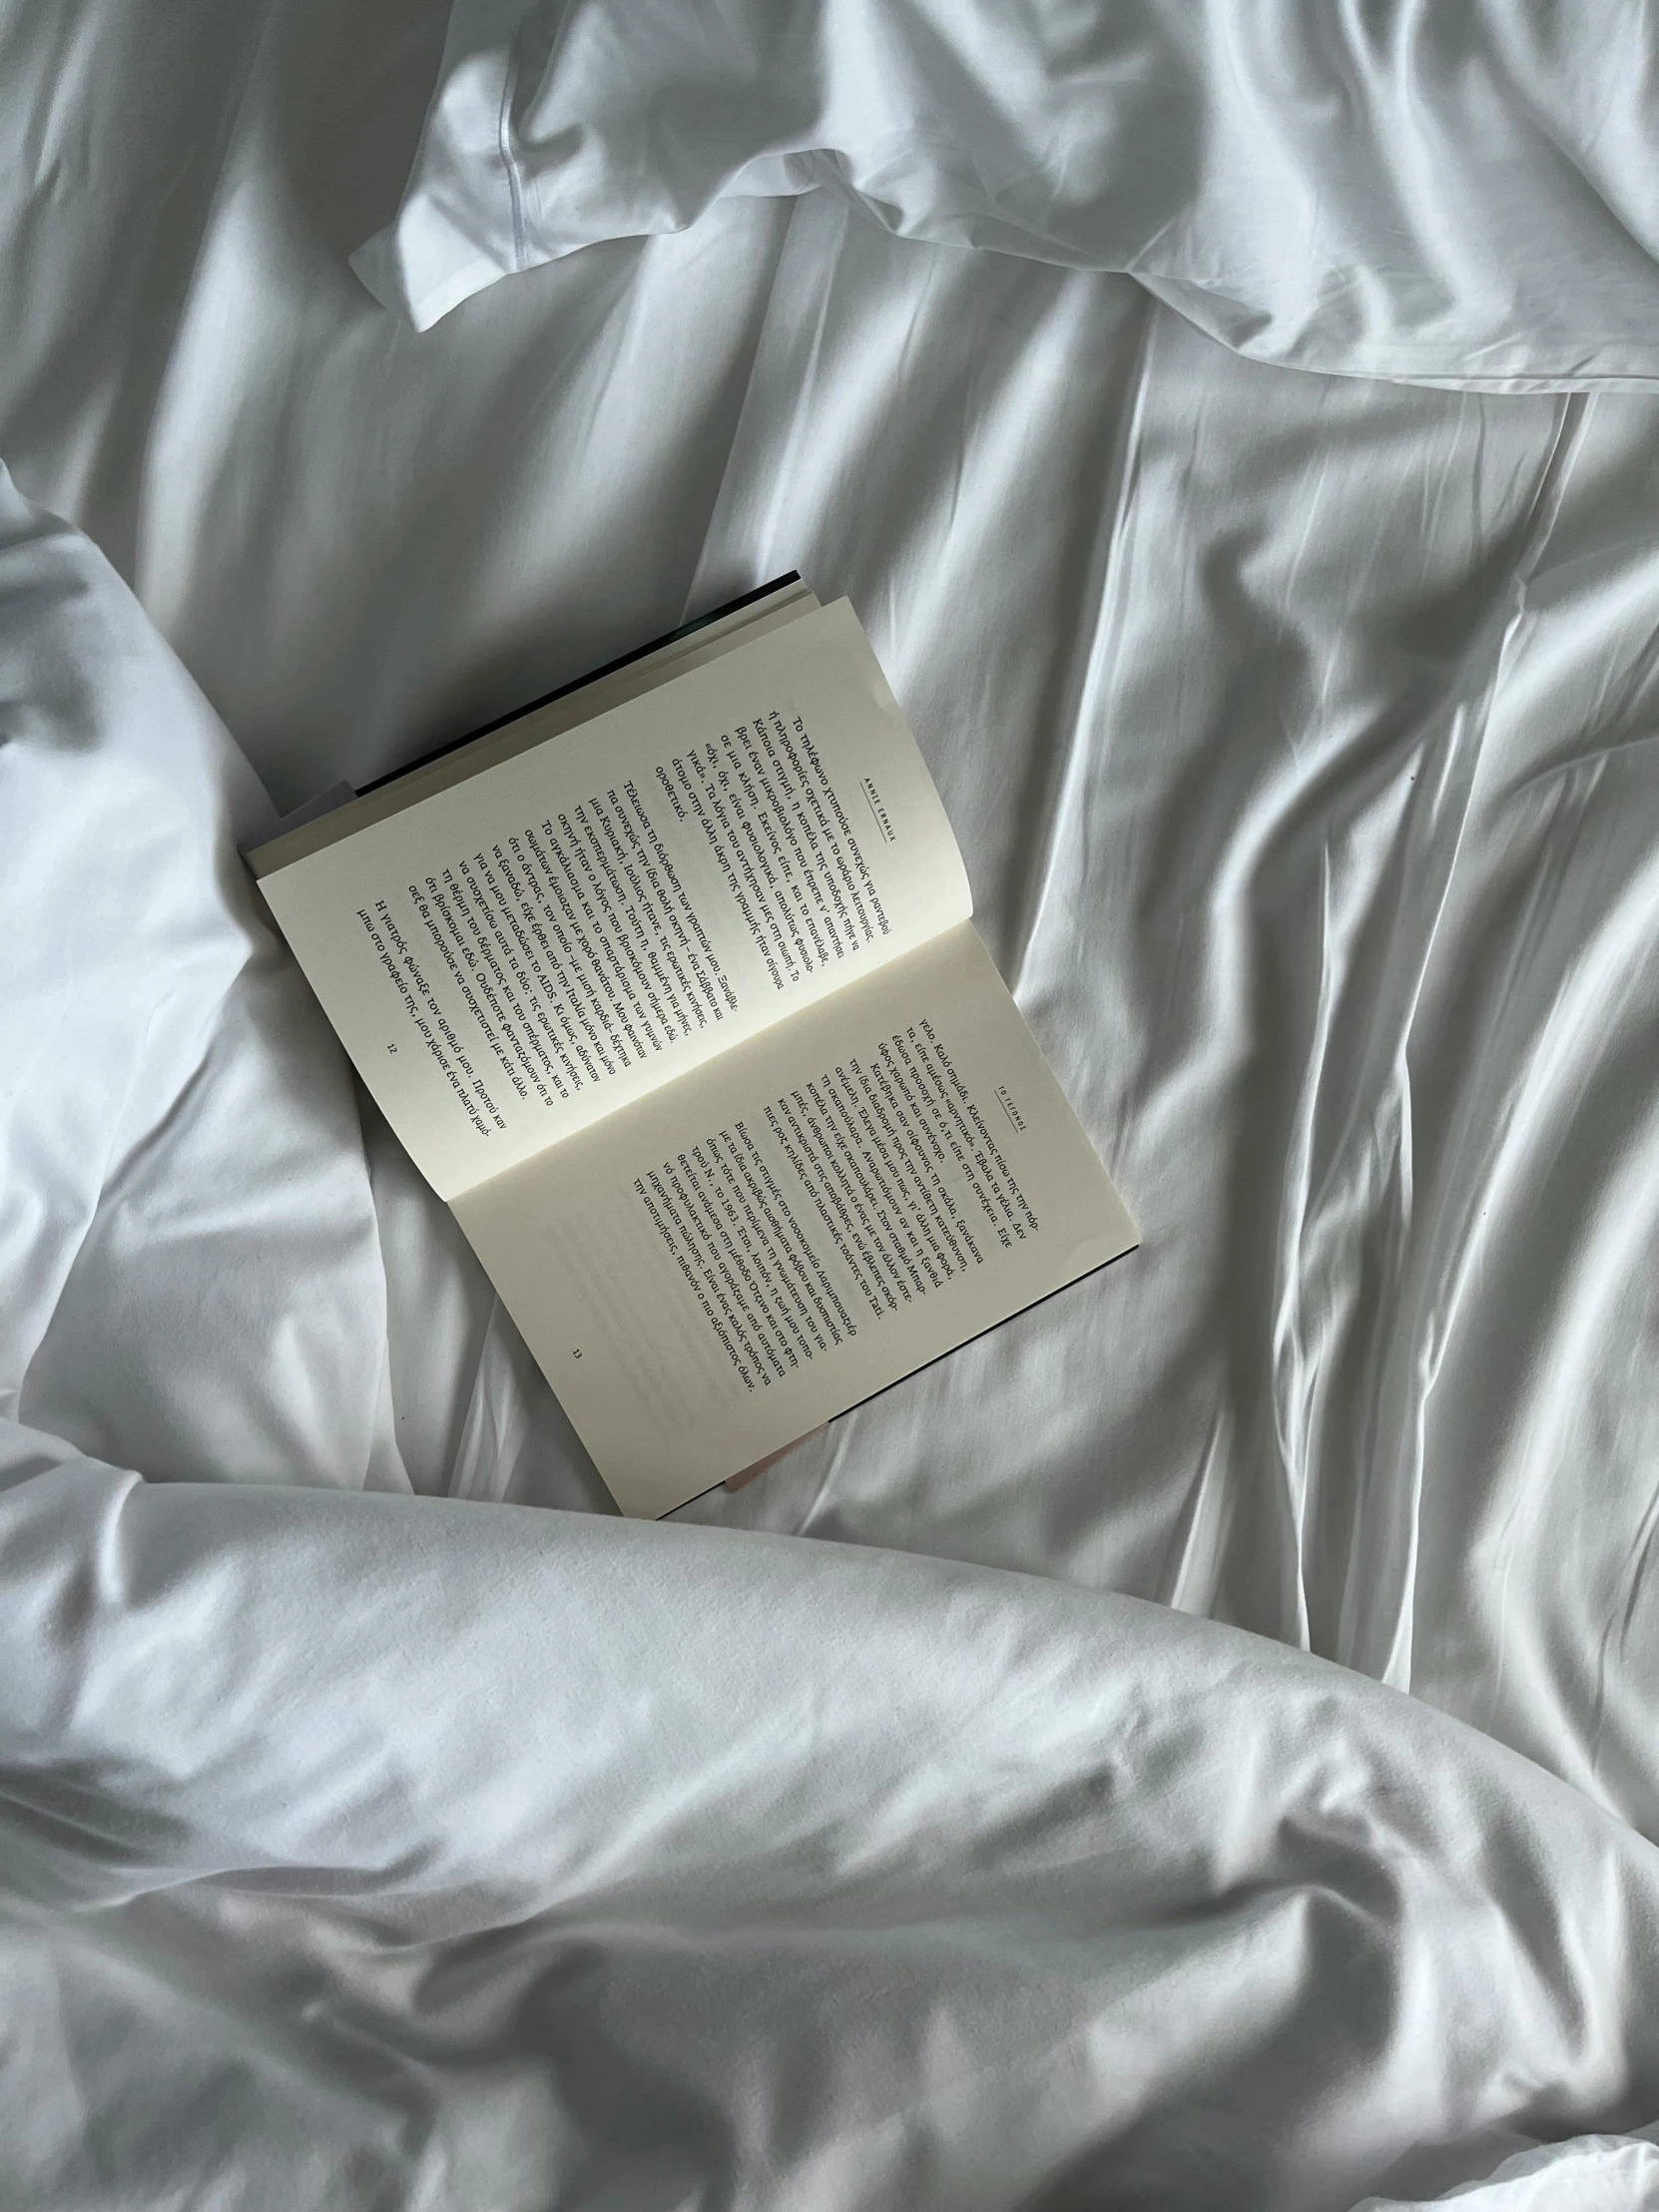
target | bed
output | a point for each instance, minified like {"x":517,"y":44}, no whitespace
{"x":1194,"y":1747}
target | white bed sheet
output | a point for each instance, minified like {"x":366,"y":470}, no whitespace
{"x":1299,"y":732}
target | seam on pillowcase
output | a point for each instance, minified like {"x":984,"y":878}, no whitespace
{"x":504,"y":145}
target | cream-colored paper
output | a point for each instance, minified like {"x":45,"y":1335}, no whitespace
{"x":524,"y":953}
{"x":720,"y":1267}
{"x":709,"y":641}
{"x":684,"y":1014}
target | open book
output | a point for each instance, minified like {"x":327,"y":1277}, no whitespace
{"x":670,"y":989}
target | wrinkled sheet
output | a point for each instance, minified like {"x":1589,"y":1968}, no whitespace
{"x":1464,"y":194}
{"x":382,"y":1821}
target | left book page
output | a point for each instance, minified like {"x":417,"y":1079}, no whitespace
{"x":514,"y":958}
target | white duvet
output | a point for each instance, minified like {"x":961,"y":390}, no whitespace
{"x":1192,"y":1748}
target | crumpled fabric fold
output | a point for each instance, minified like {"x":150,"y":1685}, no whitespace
{"x":1458,"y":194}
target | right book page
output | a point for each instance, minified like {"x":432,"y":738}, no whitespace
{"x":713,"y":1271}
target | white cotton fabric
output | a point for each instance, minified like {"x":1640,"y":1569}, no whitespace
{"x":969,"y":1812}
{"x":1025,"y":1893}
{"x":1463,"y":193}
{"x":1592,"y":2174}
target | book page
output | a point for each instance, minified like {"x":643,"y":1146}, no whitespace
{"x":513,"y":958}
{"x":725,"y":1265}
{"x":582,"y":702}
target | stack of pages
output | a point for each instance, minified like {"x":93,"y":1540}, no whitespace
{"x":670,"y":985}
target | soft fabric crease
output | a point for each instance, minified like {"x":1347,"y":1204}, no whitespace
{"x":385,"y":1821}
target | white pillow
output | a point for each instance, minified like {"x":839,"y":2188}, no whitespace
{"x":190,"y":1274}
{"x":1461,"y":191}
